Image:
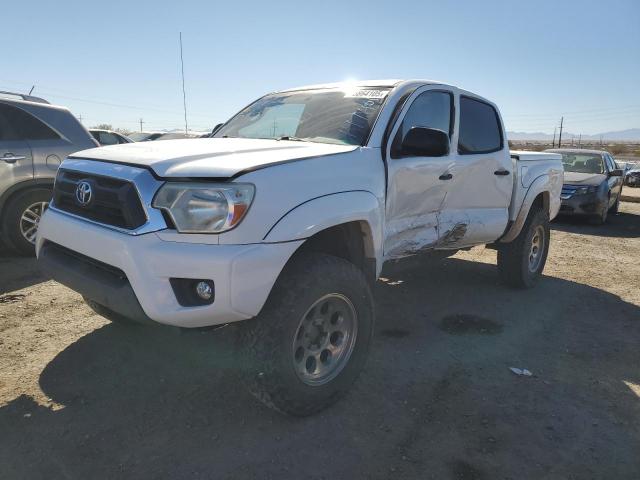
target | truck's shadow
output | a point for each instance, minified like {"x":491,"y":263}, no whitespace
{"x":141,"y":403}
{"x":18,"y":272}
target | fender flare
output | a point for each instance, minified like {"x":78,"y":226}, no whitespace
{"x":538,"y":186}
{"x":320,"y":213}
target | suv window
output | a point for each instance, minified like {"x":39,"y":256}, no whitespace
{"x":480,"y":129}
{"x":431,"y":109}
{"x":6,"y":131}
{"x":25,"y":125}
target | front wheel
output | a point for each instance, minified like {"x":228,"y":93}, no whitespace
{"x":616,"y":206}
{"x":22,"y":217}
{"x":310,"y":342}
{"x":521,"y":262}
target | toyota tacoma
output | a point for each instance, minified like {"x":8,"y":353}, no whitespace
{"x":283,"y":219}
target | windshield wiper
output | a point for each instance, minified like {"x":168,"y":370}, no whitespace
{"x":291,"y":139}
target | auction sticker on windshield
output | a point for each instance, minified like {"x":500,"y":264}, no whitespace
{"x":366,"y":94}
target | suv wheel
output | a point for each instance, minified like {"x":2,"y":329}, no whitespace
{"x":521,"y":262}
{"x":22,"y":217}
{"x":310,"y":342}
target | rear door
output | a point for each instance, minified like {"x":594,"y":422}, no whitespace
{"x":476,"y":208}
{"x":417,"y":186}
{"x":48,"y":147}
{"x":16,"y":162}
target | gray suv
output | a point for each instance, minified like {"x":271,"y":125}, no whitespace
{"x":35,"y":137}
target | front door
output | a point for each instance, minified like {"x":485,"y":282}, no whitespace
{"x":417,"y":186}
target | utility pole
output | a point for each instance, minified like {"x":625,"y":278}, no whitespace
{"x":141,"y":122}
{"x":80,"y":118}
{"x":560,"y":137}
{"x":184,"y":95}
{"x":579,"y":140}
{"x":553,"y":144}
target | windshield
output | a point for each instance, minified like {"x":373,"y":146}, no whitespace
{"x":139,"y":136}
{"x":582,"y":163}
{"x":338,"y":116}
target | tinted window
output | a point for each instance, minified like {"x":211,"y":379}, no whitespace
{"x":6,"y":131}
{"x":26,"y":126}
{"x":430,"y":109}
{"x":480,"y":130}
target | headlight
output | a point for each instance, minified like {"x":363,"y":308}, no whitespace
{"x":586,"y":189}
{"x":204,"y":207}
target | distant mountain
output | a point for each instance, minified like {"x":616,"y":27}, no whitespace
{"x":629,"y":135}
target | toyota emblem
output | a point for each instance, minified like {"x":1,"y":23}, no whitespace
{"x":84,"y":192}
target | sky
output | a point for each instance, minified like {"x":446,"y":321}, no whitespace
{"x":117,"y":62}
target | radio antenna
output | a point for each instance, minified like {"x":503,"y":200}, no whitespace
{"x":184,"y":95}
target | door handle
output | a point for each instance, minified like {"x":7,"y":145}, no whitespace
{"x":501,"y":172}
{"x":11,"y":158}
{"x":445,"y":176}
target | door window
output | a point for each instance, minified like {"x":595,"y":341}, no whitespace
{"x":26,"y":126}
{"x":431,"y":109}
{"x":6,"y":131}
{"x":610,"y":163}
{"x":480,"y":129}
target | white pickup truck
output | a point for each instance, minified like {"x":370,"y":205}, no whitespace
{"x":283,"y":220}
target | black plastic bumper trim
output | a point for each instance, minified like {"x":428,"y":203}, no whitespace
{"x":95,"y":280}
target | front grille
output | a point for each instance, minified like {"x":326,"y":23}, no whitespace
{"x":567,"y":191}
{"x":113,"y":201}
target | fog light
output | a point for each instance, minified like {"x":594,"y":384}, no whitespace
{"x":193,"y":292}
{"x":204,"y":290}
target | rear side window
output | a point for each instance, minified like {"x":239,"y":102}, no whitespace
{"x":6,"y":130}
{"x":25,"y":126}
{"x":480,"y":129}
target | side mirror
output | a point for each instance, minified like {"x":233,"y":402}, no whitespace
{"x":616,"y":173}
{"x":425,"y":142}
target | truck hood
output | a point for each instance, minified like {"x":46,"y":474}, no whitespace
{"x":577,"y":178}
{"x":210,"y":157}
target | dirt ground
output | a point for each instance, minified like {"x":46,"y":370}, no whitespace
{"x":82,"y":398}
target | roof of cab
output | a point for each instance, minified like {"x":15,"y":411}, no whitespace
{"x":387,"y":83}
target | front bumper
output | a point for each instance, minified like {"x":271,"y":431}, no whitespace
{"x":585,"y":204}
{"x":243,"y":274}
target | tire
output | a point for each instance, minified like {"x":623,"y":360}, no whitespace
{"x":514,"y":259}
{"x":21,"y":211}
{"x":601,"y":219}
{"x":616,"y":206}
{"x":277,"y":346}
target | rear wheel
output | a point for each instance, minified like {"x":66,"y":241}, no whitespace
{"x":521,"y":262}
{"x":310,"y":342}
{"x":22,"y":217}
